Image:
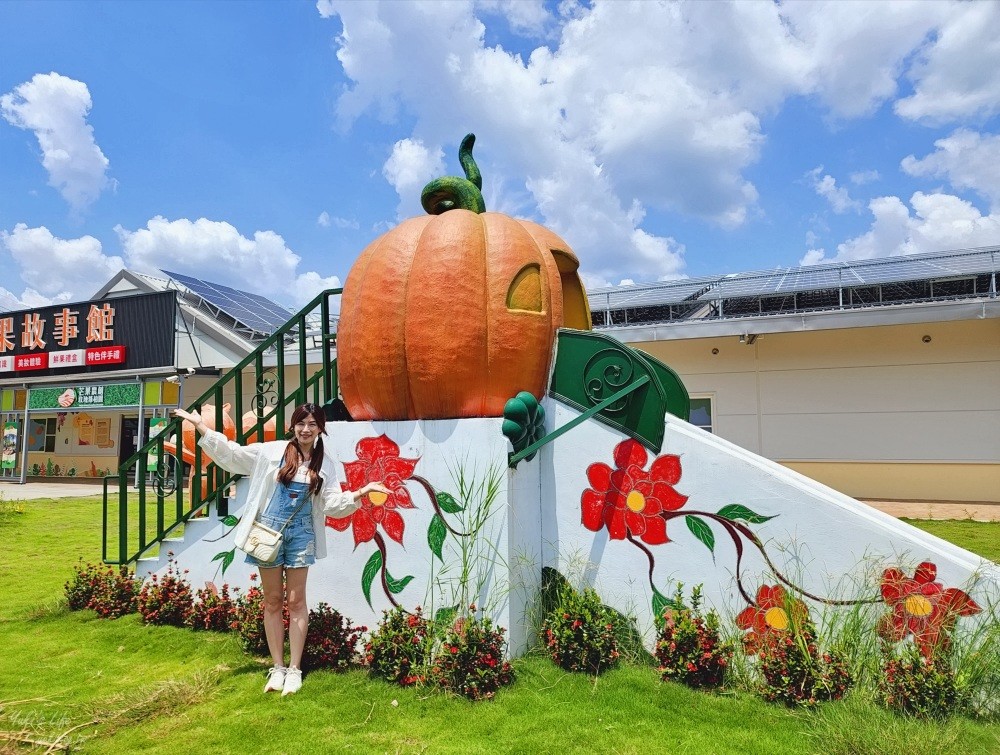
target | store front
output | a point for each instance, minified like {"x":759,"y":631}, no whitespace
{"x":81,"y":384}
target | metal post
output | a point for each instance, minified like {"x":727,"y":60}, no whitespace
{"x":24,"y":439}
{"x":140,"y":434}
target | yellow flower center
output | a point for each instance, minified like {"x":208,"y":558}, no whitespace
{"x":377,"y":497}
{"x":636,"y":501}
{"x":918,"y":605}
{"x":776,"y":618}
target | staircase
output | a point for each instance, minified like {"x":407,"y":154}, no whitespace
{"x":146,"y":502}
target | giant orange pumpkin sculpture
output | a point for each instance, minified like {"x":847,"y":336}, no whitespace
{"x":453,"y":313}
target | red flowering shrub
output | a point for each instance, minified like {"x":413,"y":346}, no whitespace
{"x":398,"y":648}
{"x":688,"y":647}
{"x":104,"y":590}
{"x":331,"y":640}
{"x":915,"y":685}
{"x":471,"y":662}
{"x":783,"y":637}
{"x":168,"y":599}
{"x":579,"y":632}
{"x":213,"y":609}
{"x":796,"y":673}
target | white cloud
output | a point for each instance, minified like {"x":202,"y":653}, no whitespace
{"x":956,"y":75}
{"x":855,"y":52}
{"x":410,"y":166}
{"x":658,"y":105}
{"x":217,"y":251}
{"x":525,"y":17}
{"x":826,"y":186}
{"x":862,"y":177}
{"x":326,"y":220}
{"x":55,"y":108}
{"x":968,"y":160}
{"x":938,"y":222}
{"x":58,"y":269}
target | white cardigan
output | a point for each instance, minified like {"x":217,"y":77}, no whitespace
{"x":260,"y":462}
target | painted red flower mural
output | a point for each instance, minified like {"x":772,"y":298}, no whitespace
{"x":922,"y":607}
{"x":628,"y":499}
{"x":775,"y":612}
{"x":378,"y":461}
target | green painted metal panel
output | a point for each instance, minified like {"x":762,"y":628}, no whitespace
{"x":590,"y":367}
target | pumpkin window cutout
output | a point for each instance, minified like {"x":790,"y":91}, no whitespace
{"x":525,"y":292}
{"x":576,"y":307}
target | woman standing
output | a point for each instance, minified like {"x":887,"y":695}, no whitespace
{"x":281,"y":474}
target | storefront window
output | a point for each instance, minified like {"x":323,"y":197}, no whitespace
{"x":43,"y":435}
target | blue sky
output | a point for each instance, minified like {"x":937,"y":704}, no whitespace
{"x":264,"y":144}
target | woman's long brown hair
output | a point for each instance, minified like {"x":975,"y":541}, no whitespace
{"x":293,"y":454}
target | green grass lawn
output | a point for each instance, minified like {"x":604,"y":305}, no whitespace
{"x":132,"y":688}
{"x":982,"y":538}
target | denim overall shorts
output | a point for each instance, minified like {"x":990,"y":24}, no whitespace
{"x":298,"y":543}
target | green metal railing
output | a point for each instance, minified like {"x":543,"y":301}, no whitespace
{"x":146,"y":500}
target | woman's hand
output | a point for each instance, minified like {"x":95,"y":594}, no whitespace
{"x":194,"y":419}
{"x":374,"y":487}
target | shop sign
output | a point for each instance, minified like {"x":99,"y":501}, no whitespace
{"x":156,"y":426}
{"x":132,"y":332}
{"x":8,"y":460}
{"x":85,"y":397}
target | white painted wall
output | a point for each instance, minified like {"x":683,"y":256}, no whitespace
{"x":826,"y":542}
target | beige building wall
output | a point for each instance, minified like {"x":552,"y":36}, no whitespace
{"x":876,"y":412}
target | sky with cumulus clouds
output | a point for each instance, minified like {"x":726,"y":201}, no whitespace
{"x":262,"y":145}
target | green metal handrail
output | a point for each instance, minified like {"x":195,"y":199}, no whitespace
{"x":161,"y":481}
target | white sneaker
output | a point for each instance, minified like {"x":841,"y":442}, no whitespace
{"x":293,"y":681}
{"x":275,"y":679}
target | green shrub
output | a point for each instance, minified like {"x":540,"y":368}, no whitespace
{"x":579,"y":632}
{"x":471,"y":661}
{"x":688,"y":647}
{"x":915,"y":685}
{"x":398,"y":648}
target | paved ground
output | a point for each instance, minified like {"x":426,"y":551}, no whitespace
{"x":980,"y":511}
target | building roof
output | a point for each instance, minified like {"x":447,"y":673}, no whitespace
{"x":904,"y":279}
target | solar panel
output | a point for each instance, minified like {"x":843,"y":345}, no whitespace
{"x":766,"y":284}
{"x":254,"y":312}
{"x":671,"y":292}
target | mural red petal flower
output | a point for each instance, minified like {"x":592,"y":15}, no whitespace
{"x":355,"y":471}
{"x":926,"y":572}
{"x":364,"y":527}
{"x":774,"y":614}
{"x":599,"y":476}
{"x":656,"y":531}
{"x":592,"y":506}
{"x":666,"y":469}
{"x":393,"y":525}
{"x":378,"y":461}
{"x":629,"y":499}
{"x":630,"y":453}
{"x":668,"y":498}
{"x":615,"y":519}
{"x":921,"y":607}
{"x":341,"y":523}
{"x":957,"y":602}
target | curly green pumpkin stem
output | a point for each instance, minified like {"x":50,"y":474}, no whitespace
{"x":452,"y":192}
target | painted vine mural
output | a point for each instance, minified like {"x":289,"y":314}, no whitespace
{"x":379,"y":460}
{"x":635,"y":503}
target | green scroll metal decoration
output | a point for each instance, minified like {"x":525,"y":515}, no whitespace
{"x":592,"y":367}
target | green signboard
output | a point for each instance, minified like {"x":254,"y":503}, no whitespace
{"x":85,"y":397}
